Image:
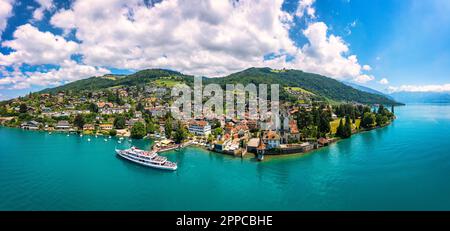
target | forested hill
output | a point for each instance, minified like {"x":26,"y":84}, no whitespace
{"x":320,"y":85}
{"x":324,"y":87}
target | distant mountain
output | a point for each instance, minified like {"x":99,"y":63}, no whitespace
{"x":422,"y":97}
{"x":327,"y":88}
{"x":366,"y":89}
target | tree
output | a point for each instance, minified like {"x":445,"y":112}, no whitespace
{"x":217,"y":131}
{"x":340,"y":129}
{"x":119,"y":122}
{"x":138,"y":131}
{"x":324,"y":123}
{"x":353,"y":116}
{"x":364,"y":110}
{"x":381,"y":120}
{"x":381,"y":109}
{"x":210,"y":138}
{"x":180,"y":134}
{"x":93,"y":108}
{"x":113,"y":132}
{"x":117,"y":98}
{"x":216,"y":124}
{"x":139,"y":107}
{"x":151,"y":128}
{"x":168,"y":128}
{"x":316,"y":117}
{"x":368,"y":120}
{"x":79,"y":121}
{"x":3,"y":111}
{"x":347,"y":127}
{"x":23,"y":108}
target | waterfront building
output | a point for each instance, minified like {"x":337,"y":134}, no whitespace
{"x":30,"y":125}
{"x":200,"y":128}
{"x":5,"y":119}
{"x":293,"y":134}
{"x":63,"y":125}
{"x":88,"y":127}
{"x":323,"y":141}
{"x":106,"y":127}
{"x":252,"y":145}
{"x":271,"y":139}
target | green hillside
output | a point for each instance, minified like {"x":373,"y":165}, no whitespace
{"x":328,"y":88}
{"x":321,"y":86}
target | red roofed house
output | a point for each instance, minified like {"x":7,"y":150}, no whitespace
{"x":293,"y":136}
{"x":200,"y":128}
{"x":271,"y":139}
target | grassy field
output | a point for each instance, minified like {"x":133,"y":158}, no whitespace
{"x":335,"y":123}
{"x":299,"y":89}
{"x":166,"y":82}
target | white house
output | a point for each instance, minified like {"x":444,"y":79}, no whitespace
{"x":200,"y":128}
{"x":63,"y":125}
{"x":31,"y":125}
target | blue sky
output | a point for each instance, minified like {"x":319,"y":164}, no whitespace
{"x":389,"y":45}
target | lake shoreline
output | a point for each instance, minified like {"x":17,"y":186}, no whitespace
{"x":335,"y":140}
{"x":271,"y":156}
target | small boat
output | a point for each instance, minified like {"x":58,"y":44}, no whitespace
{"x":105,"y":140}
{"x":96,"y":136}
{"x":89,"y":140}
{"x":68,"y":135}
{"x":147,"y":158}
{"x":119,"y":142}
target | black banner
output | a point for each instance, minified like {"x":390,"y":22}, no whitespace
{"x":225,"y":220}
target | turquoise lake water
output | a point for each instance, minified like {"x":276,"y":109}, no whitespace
{"x":405,"y":166}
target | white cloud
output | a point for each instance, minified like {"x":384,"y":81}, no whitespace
{"x":198,"y":37}
{"x":305,"y":6}
{"x":383,"y":81}
{"x":363,"y":78}
{"x":367,"y":68}
{"x":326,"y":54}
{"x":202,"y":38}
{"x":421,"y":88}
{"x":44,"y":5}
{"x":68,"y":71}
{"x":6,"y":7}
{"x":34,"y":47}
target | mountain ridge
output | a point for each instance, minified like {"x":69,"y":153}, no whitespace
{"x":326,"y":87}
{"x":422,"y":97}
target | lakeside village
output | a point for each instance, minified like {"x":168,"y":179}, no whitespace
{"x":144,"y":112}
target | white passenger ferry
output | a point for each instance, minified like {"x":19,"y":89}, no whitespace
{"x":147,"y":158}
